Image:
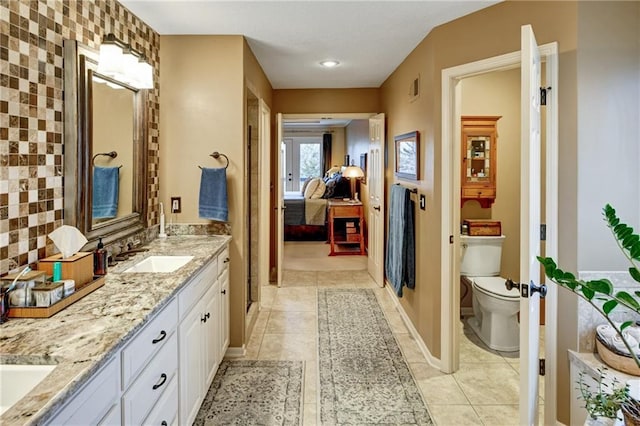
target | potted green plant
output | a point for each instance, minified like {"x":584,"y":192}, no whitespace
{"x":600,"y":294}
{"x":604,"y":401}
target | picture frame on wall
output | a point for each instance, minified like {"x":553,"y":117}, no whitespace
{"x":407,"y":149}
{"x":363,"y":166}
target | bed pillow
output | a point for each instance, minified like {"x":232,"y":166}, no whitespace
{"x":304,"y":185}
{"x":315,"y":188}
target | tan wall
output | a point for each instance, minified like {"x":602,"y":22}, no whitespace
{"x":203,"y":111}
{"x":309,"y":101}
{"x":498,"y":93}
{"x":490,"y":32}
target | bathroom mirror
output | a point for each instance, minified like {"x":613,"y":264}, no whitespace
{"x":105,"y":131}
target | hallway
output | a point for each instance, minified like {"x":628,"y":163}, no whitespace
{"x":286,"y":329}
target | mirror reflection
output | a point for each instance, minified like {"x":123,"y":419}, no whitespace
{"x":112,"y":160}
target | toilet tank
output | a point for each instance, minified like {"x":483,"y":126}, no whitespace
{"x":480,"y":255}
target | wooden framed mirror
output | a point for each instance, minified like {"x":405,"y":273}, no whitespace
{"x":102,"y":116}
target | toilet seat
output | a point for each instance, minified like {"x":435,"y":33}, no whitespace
{"x":494,"y":286}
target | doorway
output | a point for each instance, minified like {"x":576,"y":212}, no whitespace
{"x":452,"y":83}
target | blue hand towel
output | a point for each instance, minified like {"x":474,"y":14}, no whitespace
{"x":213,"y":194}
{"x":106,"y":184}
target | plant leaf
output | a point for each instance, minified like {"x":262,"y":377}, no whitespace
{"x":600,"y":286}
{"x":635,"y":274}
{"x":630,"y":240}
{"x":625,"y":325}
{"x":587,"y":292}
{"x":609,"y":306}
{"x":628,"y":299}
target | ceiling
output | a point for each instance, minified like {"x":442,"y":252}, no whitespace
{"x":290,"y":38}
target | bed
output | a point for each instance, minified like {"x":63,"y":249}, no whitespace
{"x":305,"y":216}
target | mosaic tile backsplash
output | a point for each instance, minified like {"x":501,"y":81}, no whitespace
{"x":31,"y":113}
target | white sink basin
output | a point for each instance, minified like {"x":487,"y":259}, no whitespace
{"x":160,"y":264}
{"x":17,"y":380}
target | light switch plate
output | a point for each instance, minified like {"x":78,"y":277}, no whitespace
{"x":176,"y":204}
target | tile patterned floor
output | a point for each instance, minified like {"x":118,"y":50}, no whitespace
{"x":483,"y":392}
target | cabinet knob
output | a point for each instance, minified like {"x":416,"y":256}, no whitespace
{"x":377,"y":208}
{"x":163,"y":379}
{"x":203,"y":318}
{"x":208,"y":315}
{"x":226,"y":260}
{"x":160,"y":338}
{"x":224,"y":292}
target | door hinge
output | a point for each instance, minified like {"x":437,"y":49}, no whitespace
{"x":541,"y":366}
{"x":543,"y":232}
{"x":543,"y":95}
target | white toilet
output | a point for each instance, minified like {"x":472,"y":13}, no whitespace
{"x":495,"y":308}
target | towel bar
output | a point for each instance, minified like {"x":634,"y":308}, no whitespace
{"x":217,"y":155}
{"x":112,"y":154}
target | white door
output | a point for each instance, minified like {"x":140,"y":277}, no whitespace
{"x":529,"y":226}
{"x":280,"y":182}
{"x":375,"y":180}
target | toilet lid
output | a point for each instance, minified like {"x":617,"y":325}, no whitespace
{"x":495,"y":285}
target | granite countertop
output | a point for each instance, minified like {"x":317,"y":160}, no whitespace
{"x":83,"y":337}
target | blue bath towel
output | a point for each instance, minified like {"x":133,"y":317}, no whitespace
{"x":399,"y":263}
{"x":213,"y":194}
{"x":106,"y":184}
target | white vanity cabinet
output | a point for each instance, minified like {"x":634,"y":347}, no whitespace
{"x":97,"y":402}
{"x":199,"y":339}
{"x":223,"y":279}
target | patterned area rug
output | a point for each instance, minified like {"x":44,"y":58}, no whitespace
{"x":254,"y":393}
{"x":363,"y":376}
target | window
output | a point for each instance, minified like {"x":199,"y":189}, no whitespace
{"x":303,"y":159}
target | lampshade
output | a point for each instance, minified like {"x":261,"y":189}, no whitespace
{"x":353,"y":172}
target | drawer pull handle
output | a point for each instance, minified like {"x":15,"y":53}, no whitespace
{"x":163,"y":334}
{"x":224,"y":292}
{"x":203,"y":318}
{"x":226,"y":260}
{"x":208,"y":315}
{"x":163,"y":379}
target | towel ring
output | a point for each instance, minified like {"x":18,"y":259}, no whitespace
{"x":217,"y":155}
{"x":112,"y":154}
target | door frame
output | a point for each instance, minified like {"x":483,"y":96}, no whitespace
{"x":450,"y":208}
{"x":281,"y":117}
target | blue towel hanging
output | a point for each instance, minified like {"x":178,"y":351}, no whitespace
{"x":106,"y":184}
{"x":399,"y":263}
{"x":213,"y":203}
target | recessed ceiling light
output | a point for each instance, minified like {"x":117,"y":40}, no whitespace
{"x":330,"y":63}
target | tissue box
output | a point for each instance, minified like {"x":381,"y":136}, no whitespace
{"x":480,"y":227}
{"x":78,"y":267}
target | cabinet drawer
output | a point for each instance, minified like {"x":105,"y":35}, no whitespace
{"x":95,"y":400}
{"x":193,"y":291}
{"x":165,"y":411}
{"x":152,"y":383}
{"x":478,"y":193}
{"x":148,"y":342}
{"x":346,"y":211}
{"x":223,"y":260}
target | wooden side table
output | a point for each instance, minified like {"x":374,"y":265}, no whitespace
{"x":346,"y":219}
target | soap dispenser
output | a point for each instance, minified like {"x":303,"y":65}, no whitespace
{"x":100,"y":259}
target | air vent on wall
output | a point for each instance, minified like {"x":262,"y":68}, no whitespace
{"x":414,"y":89}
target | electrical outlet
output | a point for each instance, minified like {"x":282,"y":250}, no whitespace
{"x":176,"y":204}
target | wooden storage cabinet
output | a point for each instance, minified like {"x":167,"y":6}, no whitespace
{"x":479,"y":151}
{"x":346,"y":234}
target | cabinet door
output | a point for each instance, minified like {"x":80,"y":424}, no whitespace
{"x":191,"y":365}
{"x":211,"y":331}
{"x":224,"y":312}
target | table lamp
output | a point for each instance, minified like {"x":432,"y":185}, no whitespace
{"x":352,"y":173}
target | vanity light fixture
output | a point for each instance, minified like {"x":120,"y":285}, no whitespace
{"x":121,"y":62}
{"x":329,"y":63}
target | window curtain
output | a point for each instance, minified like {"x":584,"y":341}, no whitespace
{"x":326,"y":152}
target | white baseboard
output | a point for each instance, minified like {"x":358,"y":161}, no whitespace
{"x":235,"y":352}
{"x":433,"y":361}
